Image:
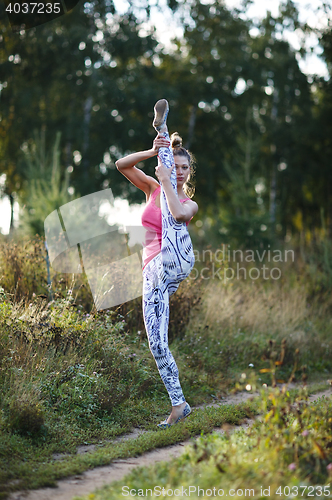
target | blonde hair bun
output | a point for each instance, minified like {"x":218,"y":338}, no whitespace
{"x":176,"y":140}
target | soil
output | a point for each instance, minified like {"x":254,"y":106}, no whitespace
{"x":90,"y":480}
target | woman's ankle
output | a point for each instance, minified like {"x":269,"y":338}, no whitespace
{"x":180,"y":406}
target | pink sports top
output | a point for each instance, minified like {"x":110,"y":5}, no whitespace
{"x":151,"y":220}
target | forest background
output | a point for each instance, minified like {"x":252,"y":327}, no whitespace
{"x":77,"y":93}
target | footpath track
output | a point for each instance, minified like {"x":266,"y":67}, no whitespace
{"x":90,"y":480}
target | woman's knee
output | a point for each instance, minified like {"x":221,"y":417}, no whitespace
{"x":158,"y":350}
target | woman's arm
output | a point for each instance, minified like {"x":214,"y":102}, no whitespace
{"x":132,"y":159}
{"x":182,"y":212}
{"x":136,"y":176}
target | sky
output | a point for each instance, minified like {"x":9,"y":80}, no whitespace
{"x":168,"y":28}
{"x":308,"y":12}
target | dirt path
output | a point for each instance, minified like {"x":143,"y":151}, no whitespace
{"x":90,"y":480}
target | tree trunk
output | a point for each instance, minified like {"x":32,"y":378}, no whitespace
{"x":11,"y":227}
{"x":247,"y":162}
{"x":273,"y":195}
{"x":273,"y":185}
{"x":329,"y":212}
{"x":86,"y":135}
{"x":69,"y":156}
{"x":191,"y":126}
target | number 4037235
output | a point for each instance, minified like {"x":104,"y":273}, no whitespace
{"x":33,"y":7}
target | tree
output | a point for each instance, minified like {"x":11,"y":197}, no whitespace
{"x":321,"y":137}
{"x":72,"y":75}
{"x":45,"y":189}
{"x":232,"y":68}
{"x":246,"y":222}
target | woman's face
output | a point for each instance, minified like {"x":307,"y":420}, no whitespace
{"x":182,"y":169}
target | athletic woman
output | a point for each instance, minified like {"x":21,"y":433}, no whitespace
{"x":168,"y":256}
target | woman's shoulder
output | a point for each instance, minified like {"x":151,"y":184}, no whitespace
{"x":189,"y":201}
{"x":192,"y":204}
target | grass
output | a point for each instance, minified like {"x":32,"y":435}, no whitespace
{"x":33,"y":475}
{"x":287,"y":453}
{"x":70,"y":375}
{"x":38,"y":468}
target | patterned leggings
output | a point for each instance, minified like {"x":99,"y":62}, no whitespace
{"x":161,"y":278}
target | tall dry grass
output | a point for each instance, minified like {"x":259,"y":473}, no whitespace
{"x":276,"y":310}
{"x":236,"y":320}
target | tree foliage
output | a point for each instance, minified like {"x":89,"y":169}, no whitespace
{"x":45,"y":188}
{"x":95,"y":75}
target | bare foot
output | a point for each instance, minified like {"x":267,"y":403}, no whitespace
{"x":177,"y":411}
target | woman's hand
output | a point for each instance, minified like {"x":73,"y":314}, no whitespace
{"x":160,"y":142}
{"x":163,"y":173}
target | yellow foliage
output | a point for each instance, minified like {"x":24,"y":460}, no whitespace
{"x":307,"y":194}
{"x":298,"y":220}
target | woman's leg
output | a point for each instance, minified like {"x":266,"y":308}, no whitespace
{"x":156,"y":319}
{"x":176,"y":246}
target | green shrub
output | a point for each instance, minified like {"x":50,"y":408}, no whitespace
{"x":26,"y":416}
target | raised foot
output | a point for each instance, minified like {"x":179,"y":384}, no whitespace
{"x":161,"y":109}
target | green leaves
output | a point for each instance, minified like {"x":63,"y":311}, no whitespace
{"x":46,"y":190}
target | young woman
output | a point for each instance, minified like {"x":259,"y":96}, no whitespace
{"x":168,"y":256}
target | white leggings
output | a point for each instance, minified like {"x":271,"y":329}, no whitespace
{"x":161,"y":278}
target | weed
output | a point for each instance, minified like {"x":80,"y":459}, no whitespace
{"x":26,"y":417}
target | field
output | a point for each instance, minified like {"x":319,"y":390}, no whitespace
{"x":71,"y":375}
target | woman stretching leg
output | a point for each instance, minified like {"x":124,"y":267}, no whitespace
{"x":171,"y":262}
